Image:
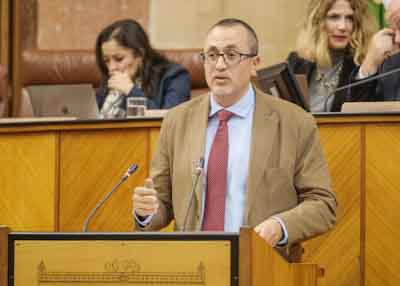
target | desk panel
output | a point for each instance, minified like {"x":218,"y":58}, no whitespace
{"x":339,"y":250}
{"x":28,"y":181}
{"x":91,"y":164}
{"x":382,"y":255}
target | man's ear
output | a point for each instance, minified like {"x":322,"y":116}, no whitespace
{"x":255,"y":62}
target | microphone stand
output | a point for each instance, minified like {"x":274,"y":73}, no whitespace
{"x":129,"y":172}
{"x":368,"y":79}
{"x":357,"y":83}
{"x":199,"y":170}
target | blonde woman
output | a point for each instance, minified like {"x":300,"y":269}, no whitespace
{"x":332,"y":43}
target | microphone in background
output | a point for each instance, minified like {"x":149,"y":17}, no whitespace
{"x":129,"y":172}
{"x":357,"y":83}
{"x":199,"y":170}
{"x":368,"y":79}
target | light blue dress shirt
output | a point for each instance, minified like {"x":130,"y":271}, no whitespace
{"x":239,"y":140}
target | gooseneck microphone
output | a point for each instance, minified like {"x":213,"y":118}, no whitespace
{"x":357,"y":83}
{"x":368,"y":79}
{"x":129,"y":172}
{"x":199,"y":170}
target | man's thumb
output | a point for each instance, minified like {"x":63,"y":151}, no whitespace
{"x":148,"y":183}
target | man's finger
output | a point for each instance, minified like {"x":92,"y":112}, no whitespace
{"x":140,"y":191}
{"x":145,"y":207}
{"x":145,"y":199}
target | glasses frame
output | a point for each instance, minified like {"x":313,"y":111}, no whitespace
{"x":242,"y":56}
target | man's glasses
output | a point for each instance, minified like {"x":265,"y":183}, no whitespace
{"x":230,"y":57}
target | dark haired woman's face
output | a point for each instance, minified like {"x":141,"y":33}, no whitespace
{"x":119,"y":59}
{"x":339,"y":24}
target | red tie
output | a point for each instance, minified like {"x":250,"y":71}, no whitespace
{"x":214,"y":214}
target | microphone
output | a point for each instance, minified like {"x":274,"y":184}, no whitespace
{"x":129,"y":172}
{"x":357,"y":83}
{"x":368,"y":79}
{"x":199,"y":170}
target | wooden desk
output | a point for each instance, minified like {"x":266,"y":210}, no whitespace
{"x":53,"y":174}
{"x":364,"y":157}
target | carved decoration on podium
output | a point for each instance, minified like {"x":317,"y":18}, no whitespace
{"x":123,"y":272}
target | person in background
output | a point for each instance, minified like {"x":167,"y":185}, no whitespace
{"x":383,"y":56}
{"x":130,"y":67}
{"x":332,"y":42}
{"x":263,"y":162}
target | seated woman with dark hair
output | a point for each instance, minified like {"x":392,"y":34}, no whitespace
{"x":332,"y":42}
{"x":130,"y":67}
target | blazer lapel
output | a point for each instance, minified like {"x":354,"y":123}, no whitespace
{"x":265,"y":126}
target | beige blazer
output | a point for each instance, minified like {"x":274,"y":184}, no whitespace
{"x":288,"y":175}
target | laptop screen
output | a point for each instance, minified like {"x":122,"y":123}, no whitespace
{"x":73,"y":100}
{"x":280,"y":81}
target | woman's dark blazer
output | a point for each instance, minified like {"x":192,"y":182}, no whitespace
{"x":174,"y":88}
{"x":306,"y":67}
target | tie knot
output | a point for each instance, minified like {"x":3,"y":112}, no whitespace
{"x":224,"y":115}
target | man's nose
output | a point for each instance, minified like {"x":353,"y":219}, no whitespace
{"x":220,"y":64}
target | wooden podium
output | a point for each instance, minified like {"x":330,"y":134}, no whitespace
{"x":146,"y":259}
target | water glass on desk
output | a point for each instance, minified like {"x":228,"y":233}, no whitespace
{"x":136,"y":106}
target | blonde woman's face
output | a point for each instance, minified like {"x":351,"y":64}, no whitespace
{"x":339,"y":23}
{"x":119,"y":59}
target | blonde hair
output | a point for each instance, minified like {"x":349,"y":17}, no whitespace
{"x":312,"y":42}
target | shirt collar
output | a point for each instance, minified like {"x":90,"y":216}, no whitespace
{"x":241,"y":108}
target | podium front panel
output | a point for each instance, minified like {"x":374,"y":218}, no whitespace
{"x":123,"y":259}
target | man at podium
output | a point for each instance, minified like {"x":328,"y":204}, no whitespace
{"x":238,"y":157}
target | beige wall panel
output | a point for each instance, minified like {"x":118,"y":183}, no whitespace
{"x":339,"y":250}
{"x":184,"y":24}
{"x":91,"y":164}
{"x":382,"y":205}
{"x":276,"y":22}
{"x":76,"y":23}
{"x":172,"y":23}
{"x":27,"y":181}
